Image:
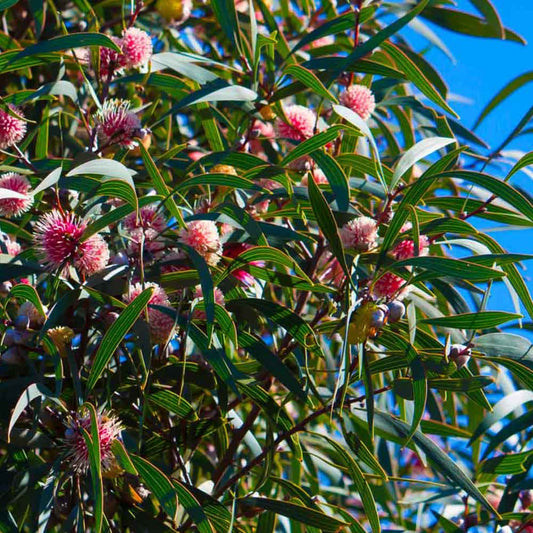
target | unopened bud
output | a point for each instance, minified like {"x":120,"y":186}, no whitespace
{"x":396,"y":311}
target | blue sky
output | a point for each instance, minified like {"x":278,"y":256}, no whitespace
{"x":483,"y":67}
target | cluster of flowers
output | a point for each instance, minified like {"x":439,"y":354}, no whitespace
{"x":65,"y":243}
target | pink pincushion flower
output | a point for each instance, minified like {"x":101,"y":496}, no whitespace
{"x":390,"y":286}
{"x":111,"y":60}
{"x":406,"y":249}
{"x":233,"y":250}
{"x":359,"y":99}
{"x":300,"y":123}
{"x":58,"y":240}
{"x":92,"y":255}
{"x":115,"y":123}
{"x":145,"y":228}
{"x":219,"y":299}
{"x":109,"y":428}
{"x":12,"y":128}
{"x":161,"y":324}
{"x":203,"y":236}
{"x":136,"y":47}
{"x":12,"y":207}
{"x":360,"y":234}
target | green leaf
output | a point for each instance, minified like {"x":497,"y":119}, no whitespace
{"x":354,"y":119}
{"x":309,"y":79}
{"x":444,"y":464}
{"x":104,"y":167}
{"x":524,"y":162}
{"x":327,"y":224}
{"x":296,"y":326}
{"x":480,"y":320}
{"x":503,"y":94}
{"x":34,"y":391}
{"x":28,"y":293}
{"x":416,"y":153}
{"x":446,"y":266}
{"x":503,"y":408}
{"x":499,"y":188}
{"x":119,"y":189}
{"x":312,"y":144}
{"x":336,"y":178}
{"x":92,"y":441}
{"x":262,"y":353}
{"x":193,"y":507}
{"x":416,"y":76}
{"x":68,"y":42}
{"x":49,"y":181}
{"x":159,"y":484}
{"x":297,"y":512}
{"x":380,"y":37}
{"x":173,"y":403}
{"x":361,"y":484}
{"x":511,"y":463}
{"x":115,"y":334}
{"x":468,"y":24}
{"x":160,"y":185}
{"x":505,"y":345}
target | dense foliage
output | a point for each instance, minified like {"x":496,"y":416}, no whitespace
{"x":244,"y":284}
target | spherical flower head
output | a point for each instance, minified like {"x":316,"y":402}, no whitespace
{"x":35,"y":318}
{"x":224,"y":169}
{"x":12,"y":128}
{"x":115,"y":123}
{"x":61,"y":337}
{"x":58,"y":240}
{"x":359,"y":99}
{"x":300,"y":123}
{"x":390,"y":286}
{"x":174,"y":10}
{"x":203,"y":236}
{"x":406,"y":249}
{"x":359,"y":234}
{"x":198,"y":294}
{"x":91,"y":255}
{"x":12,"y":207}
{"x":145,"y":227}
{"x":161,"y":324}
{"x":233,"y":250}
{"x":109,"y":428}
{"x":136,"y":47}
{"x":111,"y":61}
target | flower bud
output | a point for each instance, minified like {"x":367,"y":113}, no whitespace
{"x":460,"y":354}
{"x":396,"y":311}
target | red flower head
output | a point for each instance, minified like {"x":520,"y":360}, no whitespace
{"x":390,"y":286}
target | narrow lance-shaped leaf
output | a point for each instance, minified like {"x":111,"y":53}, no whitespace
{"x":115,"y":335}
